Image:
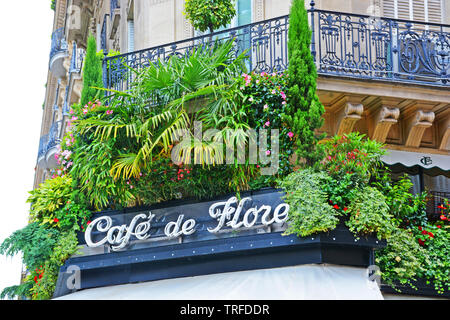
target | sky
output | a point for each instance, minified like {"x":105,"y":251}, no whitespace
{"x":25,"y":28}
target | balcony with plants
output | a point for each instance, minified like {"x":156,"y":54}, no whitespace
{"x":122,"y":151}
{"x":343,"y":45}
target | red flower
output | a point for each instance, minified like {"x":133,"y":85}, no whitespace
{"x":336,"y":207}
{"x":424,"y":232}
{"x":56,"y":220}
{"x":345,"y":208}
{"x":438,"y":227}
{"x":421,"y":242}
{"x":420,"y":228}
{"x":443,"y":217}
{"x":35,"y":279}
{"x":89,"y":222}
{"x":431,"y":234}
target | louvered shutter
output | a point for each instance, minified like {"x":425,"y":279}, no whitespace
{"x":434,"y":11}
{"x":130,"y":35}
{"x":389,"y":9}
{"x":404,"y":10}
{"x":416,"y":10}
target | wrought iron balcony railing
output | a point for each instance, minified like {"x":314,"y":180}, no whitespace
{"x":265,"y":41}
{"x":59,"y":43}
{"x":50,"y":140}
{"x":368,"y":47}
{"x":343,"y":44}
{"x":76,"y":62}
{"x":43,"y":142}
{"x":54,"y":136}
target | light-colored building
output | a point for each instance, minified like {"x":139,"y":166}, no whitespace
{"x":383,"y":65}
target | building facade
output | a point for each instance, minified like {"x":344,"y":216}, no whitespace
{"x":383,"y":65}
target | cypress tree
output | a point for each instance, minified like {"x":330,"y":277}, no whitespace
{"x":92,"y":72}
{"x":307,"y":112}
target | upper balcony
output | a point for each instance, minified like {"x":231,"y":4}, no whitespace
{"x":58,"y":53}
{"x":343,"y":45}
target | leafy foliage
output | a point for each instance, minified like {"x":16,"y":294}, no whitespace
{"x":266,"y":107}
{"x":401,"y":260}
{"x":369,"y":214}
{"x":309,"y":211}
{"x":92,"y":72}
{"x":45,"y":282}
{"x":209,"y":14}
{"x":307,"y":109}
{"x":34,"y":241}
{"x":436,"y":241}
{"x":49,"y":197}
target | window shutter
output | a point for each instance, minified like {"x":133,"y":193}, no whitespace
{"x":404,"y":10}
{"x":435,"y":11}
{"x":130,"y":35}
{"x":389,"y":9}
{"x":418,"y":11}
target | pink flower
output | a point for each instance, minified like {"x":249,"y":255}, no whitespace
{"x":85,"y":111}
{"x":266,"y":107}
{"x":109,"y":112}
{"x":268,"y":152}
{"x":74,"y":118}
{"x":71,"y":111}
{"x":274,"y":92}
{"x":267,"y":124}
{"x":251,"y":99}
{"x":290,"y":134}
{"x":283,"y":103}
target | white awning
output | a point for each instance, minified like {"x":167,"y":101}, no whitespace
{"x":410,"y":159}
{"x":305,"y":282}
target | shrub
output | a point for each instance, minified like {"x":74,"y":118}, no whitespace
{"x":209,"y":14}
{"x":309,"y":209}
{"x":307,"y":109}
{"x":51,"y":195}
{"x":369,"y":214}
{"x":92,"y":73}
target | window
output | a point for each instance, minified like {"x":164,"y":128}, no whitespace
{"x":417,"y":10}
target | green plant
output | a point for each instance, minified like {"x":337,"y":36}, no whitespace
{"x":48,"y":198}
{"x":307,"y":109}
{"x":45,"y":280}
{"x":436,"y":242}
{"x":309,"y":211}
{"x":352,"y":154}
{"x":405,"y":207}
{"x":369,"y":214}
{"x":402,"y":260}
{"x":92,"y":73}
{"x":266,"y":107}
{"x":209,"y":14}
{"x":72,"y":216}
{"x":197,"y":88}
{"x":34,"y":241}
